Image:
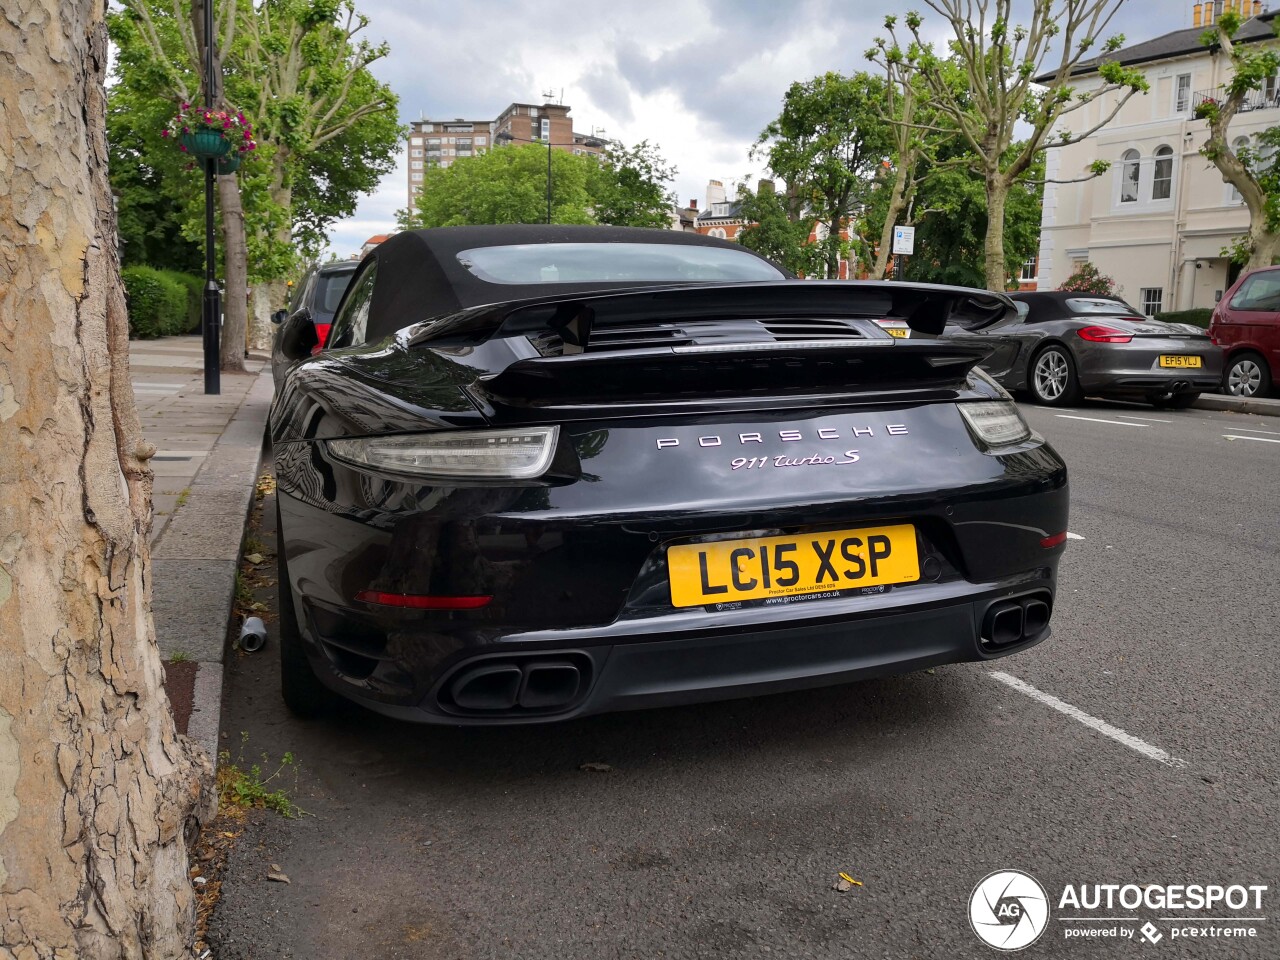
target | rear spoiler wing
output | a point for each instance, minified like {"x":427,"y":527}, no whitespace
{"x":926,"y":308}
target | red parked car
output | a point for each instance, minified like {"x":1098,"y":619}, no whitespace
{"x":1246,"y":324}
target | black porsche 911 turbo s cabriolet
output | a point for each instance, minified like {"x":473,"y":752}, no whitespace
{"x":541,"y":472}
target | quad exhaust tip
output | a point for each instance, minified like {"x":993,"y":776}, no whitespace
{"x":1015,"y":621}
{"x":513,"y":686}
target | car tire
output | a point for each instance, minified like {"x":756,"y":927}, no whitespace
{"x":1173,"y":401}
{"x":304,"y":695}
{"x":1246,"y":375}
{"x":1052,"y":378}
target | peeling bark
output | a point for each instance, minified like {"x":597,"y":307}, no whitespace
{"x":96,"y":788}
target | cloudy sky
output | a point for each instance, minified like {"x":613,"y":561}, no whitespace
{"x":699,"y":78}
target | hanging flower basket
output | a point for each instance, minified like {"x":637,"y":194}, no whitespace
{"x":229,"y":164}
{"x":211,"y":134}
{"x":205,"y":142}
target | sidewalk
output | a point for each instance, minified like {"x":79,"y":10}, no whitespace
{"x":206,"y":466}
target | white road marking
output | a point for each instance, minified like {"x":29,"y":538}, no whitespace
{"x":1270,"y":433}
{"x":181,"y":453}
{"x":1101,"y":726}
{"x":1118,"y":423}
{"x":1073,"y":536}
{"x":1232,"y":436}
{"x":1130,"y":416}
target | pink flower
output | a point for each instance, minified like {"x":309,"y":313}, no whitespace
{"x":186,"y":106}
{"x":164,"y":133}
{"x":226,"y":124}
{"x":182,"y":147}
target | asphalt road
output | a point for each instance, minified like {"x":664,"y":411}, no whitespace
{"x":719,"y":830}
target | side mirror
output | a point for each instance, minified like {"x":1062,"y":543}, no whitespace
{"x":298,"y":337}
{"x":278,"y":316}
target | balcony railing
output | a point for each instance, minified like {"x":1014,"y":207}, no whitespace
{"x":1264,"y":99}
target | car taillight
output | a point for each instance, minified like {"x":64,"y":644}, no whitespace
{"x":512,"y":454}
{"x":322,"y":331}
{"x":1103,"y":335}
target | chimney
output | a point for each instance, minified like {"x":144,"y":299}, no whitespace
{"x":693,"y":204}
{"x":1195,"y":15}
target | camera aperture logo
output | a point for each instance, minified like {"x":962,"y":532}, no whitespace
{"x":1008,"y":910}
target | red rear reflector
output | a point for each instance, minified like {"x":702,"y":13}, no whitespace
{"x":1103,"y":335}
{"x":1056,"y":540}
{"x":322,"y":331}
{"x":417,"y":602}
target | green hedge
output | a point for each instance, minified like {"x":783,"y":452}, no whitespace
{"x":159,"y":304}
{"x":194,"y":287}
{"x":1199,"y":316}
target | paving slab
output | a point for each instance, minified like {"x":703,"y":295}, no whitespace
{"x":206,"y":468}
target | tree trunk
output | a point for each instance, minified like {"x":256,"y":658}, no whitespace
{"x":96,"y":788}
{"x":993,"y":247}
{"x":264,"y":300}
{"x":897,"y":203}
{"x":1265,"y":248}
{"x":235,"y":302}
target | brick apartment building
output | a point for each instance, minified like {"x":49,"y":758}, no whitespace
{"x":439,"y":143}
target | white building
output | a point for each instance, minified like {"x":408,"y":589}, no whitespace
{"x":1159,"y":219}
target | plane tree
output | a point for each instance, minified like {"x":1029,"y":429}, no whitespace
{"x":1020,"y":88}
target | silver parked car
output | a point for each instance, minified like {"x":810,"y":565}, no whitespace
{"x":1063,"y":345}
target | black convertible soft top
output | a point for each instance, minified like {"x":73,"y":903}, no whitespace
{"x":420,"y":275}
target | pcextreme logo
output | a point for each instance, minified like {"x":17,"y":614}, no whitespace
{"x":1008,"y":910}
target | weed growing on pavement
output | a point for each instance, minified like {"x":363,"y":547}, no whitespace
{"x":248,"y":788}
{"x":253,"y":545}
{"x":244,"y":592}
{"x":179,"y":656}
{"x":184,"y":496}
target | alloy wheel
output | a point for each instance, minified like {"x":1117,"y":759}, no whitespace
{"x":1051,"y":375}
{"x":1244,"y":379}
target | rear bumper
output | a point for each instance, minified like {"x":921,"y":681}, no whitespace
{"x":655,"y":673}
{"x":1182,"y":381}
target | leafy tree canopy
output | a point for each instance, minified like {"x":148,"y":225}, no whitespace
{"x":827,"y":144}
{"x":623,"y":187}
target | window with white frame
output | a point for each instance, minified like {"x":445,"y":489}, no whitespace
{"x":1130,"y":171}
{"x":415,"y":153}
{"x":718,"y":232}
{"x":1152,"y":299}
{"x":1162,"y":174}
{"x":417,"y":176}
{"x":1182,"y":93}
{"x":415,"y":165}
{"x":1029,"y":268}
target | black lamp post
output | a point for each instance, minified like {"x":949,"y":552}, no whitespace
{"x":212,"y":300}
{"x":506,"y":137}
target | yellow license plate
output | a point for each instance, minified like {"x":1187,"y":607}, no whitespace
{"x":731,"y":570}
{"x":1174,"y":361}
{"x":901,"y":332}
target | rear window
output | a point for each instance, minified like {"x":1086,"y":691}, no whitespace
{"x":329,"y":290}
{"x":1100,"y":305}
{"x":1260,"y":291}
{"x":537,"y":263}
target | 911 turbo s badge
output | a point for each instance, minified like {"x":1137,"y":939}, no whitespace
{"x":792,"y":436}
